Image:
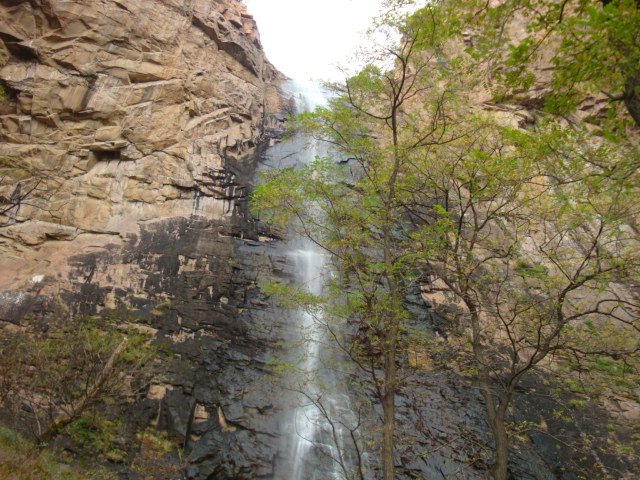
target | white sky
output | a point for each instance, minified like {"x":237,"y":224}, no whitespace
{"x":308,"y":38}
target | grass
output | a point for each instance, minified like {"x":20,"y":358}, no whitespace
{"x":610,"y":367}
{"x":98,"y":436}
{"x":20,"y":459}
{"x":577,"y":403}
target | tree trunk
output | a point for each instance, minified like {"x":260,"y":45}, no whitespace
{"x":390,"y":380}
{"x":499,"y":432}
{"x":632,"y":96}
{"x":496,"y":407}
{"x":389,"y":410}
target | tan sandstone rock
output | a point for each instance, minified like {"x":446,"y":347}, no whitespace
{"x":170,"y":86}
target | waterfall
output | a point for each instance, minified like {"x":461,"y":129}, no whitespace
{"x":316,"y":441}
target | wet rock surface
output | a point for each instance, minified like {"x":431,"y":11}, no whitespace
{"x":443,"y":429}
{"x":145,"y":119}
{"x":195,"y":287}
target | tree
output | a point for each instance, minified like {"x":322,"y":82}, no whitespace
{"x":530,"y":234}
{"x":153,"y":460}
{"x":580,"y":39}
{"x":24,"y":187}
{"x":358,"y":213}
{"x":573,"y":206}
{"x":533,"y":244}
{"x":21,"y":459}
{"x":20,"y":186}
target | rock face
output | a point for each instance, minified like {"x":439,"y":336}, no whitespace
{"x":133,"y":109}
{"x":142,"y":121}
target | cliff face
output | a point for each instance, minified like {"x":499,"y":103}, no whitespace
{"x":132,"y":109}
{"x":138,"y":123}
{"x":126,"y":112}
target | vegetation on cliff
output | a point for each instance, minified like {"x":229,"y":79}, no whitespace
{"x":524,"y":232}
{"x":70,"y":377}
{"x":21,"y":459}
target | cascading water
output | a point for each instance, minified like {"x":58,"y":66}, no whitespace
{"x":317,"y":441}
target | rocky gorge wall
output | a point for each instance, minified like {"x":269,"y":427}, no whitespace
{"x":133,"y":110}
{"x":129,"y":112}
{"x":141,"y":122}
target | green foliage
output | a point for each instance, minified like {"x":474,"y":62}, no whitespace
{"x":531,"y":234}
{"x":153,"y":461}
{"x":97,"y":435}
{"x":593,"y":47}
{"x":166,"y":304}
{"x":280,"y":366}
{"x":291,"y":296}
{"x":575,"y":386}
{"x":609,"y":366}
{"x":12,"y":169}
{"x":156,"y":441}
{"x":22,"y":460}
{"x":355,"y":211}
{"x":68,"y":367}
{"x":535,"y":271}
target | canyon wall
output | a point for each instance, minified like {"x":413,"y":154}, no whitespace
{"x":130,"y":111}
{"x":136,"y":126}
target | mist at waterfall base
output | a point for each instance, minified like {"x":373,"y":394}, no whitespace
{"x":316,"y":431}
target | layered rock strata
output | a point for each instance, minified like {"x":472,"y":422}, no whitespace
{"x":132,"y":110}
{"x":139,"y":123}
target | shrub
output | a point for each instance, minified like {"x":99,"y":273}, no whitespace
{"x":22,"y":460}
